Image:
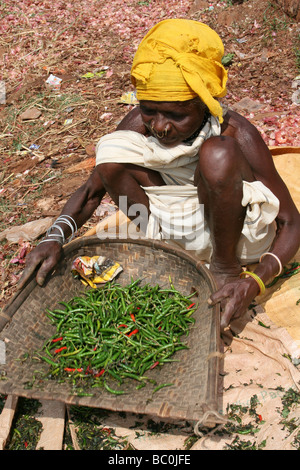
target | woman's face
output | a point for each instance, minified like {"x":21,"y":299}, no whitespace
{"x":172,"y":122}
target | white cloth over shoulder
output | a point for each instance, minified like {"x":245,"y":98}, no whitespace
{"x":175,"y":213}
{"x":132,"y":147}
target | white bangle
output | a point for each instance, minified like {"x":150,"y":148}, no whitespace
{"x":277,"y":259}
{"x":63,"y":219}
{"x":58,"y":227}
{"x":72,"y":220}
{"x":50,"y":240}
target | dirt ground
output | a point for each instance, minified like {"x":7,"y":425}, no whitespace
{"x":48,"y":134}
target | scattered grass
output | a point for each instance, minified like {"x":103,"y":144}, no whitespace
{"x":54,"y":107}
{"x":290,"y":401}
{"x":91,"y":434}
{"x":274,"y":19}
{"x":26,"y":428}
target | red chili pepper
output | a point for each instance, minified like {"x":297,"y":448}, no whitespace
{"x":132,"y":333}
{"x":99,"y":373}
{"x":26,"y":444}
{"x":190,"y":306}
{"x":107,"y":430}
{"x":57,"y":339}
{"x":60,"y":349}
{"x":154,"y":365}
{"x":122,"y":326}
{"x":291,"y":270}
{"x":260,"y":417}
{"x":69,"y":369}
{"x":132,"y":317}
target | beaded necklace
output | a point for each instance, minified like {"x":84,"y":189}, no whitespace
{"x":191,"y":139}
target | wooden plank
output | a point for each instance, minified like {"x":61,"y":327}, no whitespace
{"x":6,"y":419}
{"x":52,"y":417}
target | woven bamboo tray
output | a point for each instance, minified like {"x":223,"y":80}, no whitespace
{"x":24,"y":327}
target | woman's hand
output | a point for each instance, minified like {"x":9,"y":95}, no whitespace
{"x":235,"y":297}
{"x":44,"y":258}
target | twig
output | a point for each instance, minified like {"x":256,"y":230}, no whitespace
{"x":7,"y":178}
{"x":72,"y":125}
{"x":45,"y":133}
{"x":39,"y":156}
{"x":31,"y":31}
{"x":76,"y":104}
{"x":30,"y":53}
{"x":41,"y":182}
{"x":5,"y":135}
{"x":63,"y":30}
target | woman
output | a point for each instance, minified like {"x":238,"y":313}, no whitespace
{"x":204,"y":176}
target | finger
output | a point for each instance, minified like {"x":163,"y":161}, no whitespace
{"x":46,"y":266}
{"x":27,"y":273}
{"x":45,"y":269}
{"x":217,"y":297}
{"x":41,"y":276}
{"x":227,"y":314}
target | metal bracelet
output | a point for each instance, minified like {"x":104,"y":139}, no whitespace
{"x":277,"y":259}
{"x":63,"y":219}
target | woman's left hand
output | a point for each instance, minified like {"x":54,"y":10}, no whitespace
{"x":235,"y":297}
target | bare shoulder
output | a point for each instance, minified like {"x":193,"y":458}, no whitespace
{"x":250,"y":141}
{"x":133,"y":122}
{"x":258,"y":156}
{"x":237,"y":126}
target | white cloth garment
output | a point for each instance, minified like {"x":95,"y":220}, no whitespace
{"x":175,"y":213}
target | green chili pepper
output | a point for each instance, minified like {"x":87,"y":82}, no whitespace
{"x":153,"y":319}
{"x":109,"y":389}
{"x":162,"y":386}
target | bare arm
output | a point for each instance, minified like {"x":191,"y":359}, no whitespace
{"x":287,"y":238}
{"x":80,"y":207}
{"x":86,"y":199}
{"x":237,"y":295}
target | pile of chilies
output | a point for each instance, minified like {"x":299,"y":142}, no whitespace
{"x":118,"y":332}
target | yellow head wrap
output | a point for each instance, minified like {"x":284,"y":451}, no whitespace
{"x":179,"y":60}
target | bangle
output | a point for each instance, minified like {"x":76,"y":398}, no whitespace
{"x":63,"y":218}
{"x":58,"y":227}
{"x":60,"y":237}
{"x":50,"y":240}
{"x":262,"y":287}
{"x":277,"y":259}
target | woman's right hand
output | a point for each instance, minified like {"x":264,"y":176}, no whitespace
{"x":44,"y":258}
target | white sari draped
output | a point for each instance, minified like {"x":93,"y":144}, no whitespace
{"x":175,"y":213}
